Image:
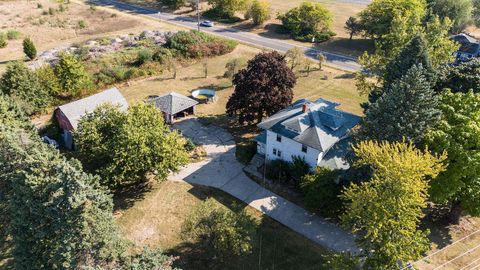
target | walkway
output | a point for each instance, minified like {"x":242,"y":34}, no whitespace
{"x":221,"y":170}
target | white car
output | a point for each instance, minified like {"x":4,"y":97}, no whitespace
{"x":207,"y":23}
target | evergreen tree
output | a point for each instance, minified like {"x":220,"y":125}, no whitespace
{"x":460,"y":78}
{"x":387,"y":209}
{"x":72,"y":74}
{"x":24,"y":87}
{"x":261,"y":89}
{"x":29,"y":48}
{"x":408,"y":109}
{"x":60,"y":217}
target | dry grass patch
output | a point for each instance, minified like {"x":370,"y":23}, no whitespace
{"x":155,"y":220}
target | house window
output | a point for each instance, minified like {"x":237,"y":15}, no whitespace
{"x":279,"y":153}
{"x":304,"y":148}
{"x":279,"y":138}
{"x":274,"y":151}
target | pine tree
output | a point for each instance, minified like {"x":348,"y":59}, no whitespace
{"x":60,"y":218}
{"x":408,"y":109}
{"x":29,"y":48}
{"x":23,"y":86}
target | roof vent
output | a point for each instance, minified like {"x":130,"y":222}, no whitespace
{"x":304,"y":108}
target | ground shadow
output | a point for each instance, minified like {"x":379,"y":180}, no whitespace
{"x":125,"y":197}
{"x":436,"y":220}
{"x":274,"y":247}
{"x":274,"y":30}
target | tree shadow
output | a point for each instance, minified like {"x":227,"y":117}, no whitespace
{"x":125,"y":197}
{"x":274,"y":247}
{"x":276,"y":31}
{"x":436,"y":220}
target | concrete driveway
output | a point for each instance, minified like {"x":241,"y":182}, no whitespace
{"x":221,"y":170}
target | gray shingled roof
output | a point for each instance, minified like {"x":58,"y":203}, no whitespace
{"x":75,"y":110}
{"x":320,"y":127}
{"x":173,"y":103}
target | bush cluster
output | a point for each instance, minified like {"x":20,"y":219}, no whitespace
{"x":321,"y":192}
{"x":287,"y":172}
{"x":194,"y":44}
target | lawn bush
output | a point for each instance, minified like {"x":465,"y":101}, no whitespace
{"x":163,"y":55}
{"x":279,"y":171}
{"x":194,"y":44}
{"x":3,"y":40}
{"x":13,"y":34}
{"x":143,"y":56}
{"x":321,"y":192}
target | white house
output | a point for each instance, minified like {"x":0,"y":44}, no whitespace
{"x":69,"y":115}
{"x":315,"y":131}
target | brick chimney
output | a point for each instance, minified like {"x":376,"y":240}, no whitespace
{"x":304,"y":108}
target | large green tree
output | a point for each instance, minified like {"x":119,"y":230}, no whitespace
{"x":459,"y":134}
{"x":60,"y":217}
{"x":227,"y":8}
{"x":220,"y":232}
{"x":72,"y":74}
{"x":258,"y":11}
{"x":462,"y":77}
{"x":406,"y":110}
{"x":23,"y":86}
{"x":459,"y":11}
{"x":263,"y":88}
{"x":123,"y":147}
{"x":307,"y":20}
{"x":387,"y":209}
{"x":377,"y":19}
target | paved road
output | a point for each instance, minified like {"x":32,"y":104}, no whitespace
{"x":334,"y":60}
{"x":221,"y":170}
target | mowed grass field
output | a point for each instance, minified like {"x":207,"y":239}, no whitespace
{"x":155,"y":220}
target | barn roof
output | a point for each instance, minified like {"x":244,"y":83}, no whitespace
{"x":173,"y":103}
{"x":75,"y":110}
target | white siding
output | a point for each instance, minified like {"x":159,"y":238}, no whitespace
{"x":290,"y":148}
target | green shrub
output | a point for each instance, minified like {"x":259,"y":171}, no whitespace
{"x":321,"y":192}
{"x":51,"y":11}
{"x":81,"y":24}
{"x":61,"y":8}
{"x":39,"y":5}
{"x":163,"y":56}
{"x":29,"y":48}
{"x":189,"y":145}
{"x":3,"y":40}
{"x":194,"y":44}
{"x":143,"y":56}
{"x":93,"y":8}
{"x":47,"y":78}
{"x":279,"y":171}
{"x":13,"y":34}
{"x":319,"y":37}
{"x":298,"y":168}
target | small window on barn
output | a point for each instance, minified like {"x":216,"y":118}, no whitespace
{"x":279,"y":138}
{"x":304,"y":148}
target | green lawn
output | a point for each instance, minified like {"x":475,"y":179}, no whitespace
{"x":154,"y":218}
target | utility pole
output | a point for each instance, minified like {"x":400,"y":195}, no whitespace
{"x":198,"y":15}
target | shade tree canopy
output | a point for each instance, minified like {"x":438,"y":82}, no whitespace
{"x":387,"y":208}
{"x":263,"y":88}
{"x":111,"y":143}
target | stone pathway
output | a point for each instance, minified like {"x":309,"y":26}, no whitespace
{"x":221,"y":170}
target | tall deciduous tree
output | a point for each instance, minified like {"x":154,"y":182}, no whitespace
{"x":60,"y":218}
{"x":459,"y":134}
{"x":353,"y":26}
{"x":258,"y":11}
{"x":261,"y":89}
{"x":295,"y":57}
{"x":112,"y":143}
{"x":387,"y":208}
{"x":72,"y":74}
{"x":307,"y":19}
{"x":222,"y":233}
{"x":227,"y":8}
{"x":459,"y":11}
{"x":23,"y":86}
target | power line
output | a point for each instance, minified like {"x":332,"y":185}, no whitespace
{"x":409,"y":266}
{"x":457,"y":257}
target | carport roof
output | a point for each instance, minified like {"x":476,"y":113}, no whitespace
{"x":173,"y":103}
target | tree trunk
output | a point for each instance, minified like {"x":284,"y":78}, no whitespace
{"x":456,"y":212}
{"x":351,"y":36}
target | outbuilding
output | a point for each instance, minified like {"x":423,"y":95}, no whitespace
{"x":69,"y":115}
{"x":174,"y":105}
